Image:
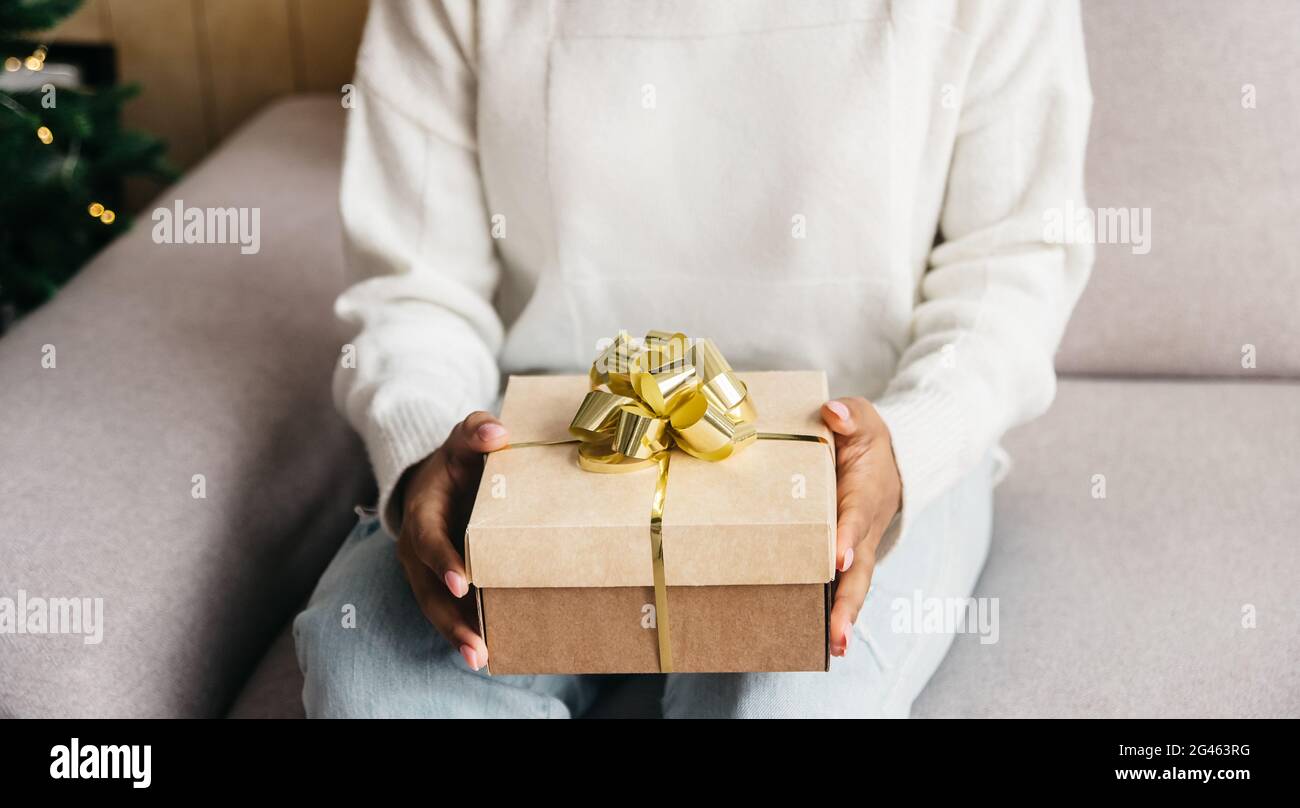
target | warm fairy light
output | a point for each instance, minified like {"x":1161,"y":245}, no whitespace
{"x":36,"y":62}
{"x":45,"y":135}
{"x":102,"y":213}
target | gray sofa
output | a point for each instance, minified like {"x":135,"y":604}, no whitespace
{"x":180,"y":361}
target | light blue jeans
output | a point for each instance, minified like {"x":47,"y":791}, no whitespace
{"x":390,"y":662}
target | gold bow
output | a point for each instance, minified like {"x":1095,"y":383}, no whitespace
{"x":668,"y":391}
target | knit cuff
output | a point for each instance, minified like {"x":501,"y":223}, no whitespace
{"x":397,"y":438}
{"x":929,"y":437}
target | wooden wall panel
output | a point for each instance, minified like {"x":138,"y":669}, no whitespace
{"x":248,"y":55}
{"x":157,"y":42}
{"x":87,"y":24}
{"x":328,"y":34}
{"x":90,"y":23}
{"x":206,"y":66}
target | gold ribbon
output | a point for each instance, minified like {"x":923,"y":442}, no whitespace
{"x":645,"y":399}
{"x":666,"y":392}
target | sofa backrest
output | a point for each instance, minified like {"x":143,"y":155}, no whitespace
{"x":1196,"y":119}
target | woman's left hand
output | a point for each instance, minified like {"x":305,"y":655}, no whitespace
{"x":870,"y":493}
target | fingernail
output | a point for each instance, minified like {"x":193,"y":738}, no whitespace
{"x":848,"y":560}
{"x":456,"y":583}
{"x":844,"y":642}
{"x":839,"y":409}
{"x":471,"y":656}
{"x":491,"y":431}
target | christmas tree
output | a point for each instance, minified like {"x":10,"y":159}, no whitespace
{"x":63,"y":159}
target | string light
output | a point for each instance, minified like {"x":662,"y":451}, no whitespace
{"x":102,"y":213}
{"x":36,"y":62}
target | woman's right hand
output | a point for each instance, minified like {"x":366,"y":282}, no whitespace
{"x":439,"y":494}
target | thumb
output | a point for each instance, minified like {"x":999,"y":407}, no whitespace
{"x":480,"y":432}
{"x":839,"y":414}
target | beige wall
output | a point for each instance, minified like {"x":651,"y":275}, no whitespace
{"x":204,"y":66}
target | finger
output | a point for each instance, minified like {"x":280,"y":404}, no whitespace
{"x":480,"y":432}
{"x":852,"y":528}
{"x":424,"y":530}
{"x":851,"y":486}
{"x":857,"y":476}
{"x":453,"y":619}
{"x":850,"y":594}
{"x":843,"y":415}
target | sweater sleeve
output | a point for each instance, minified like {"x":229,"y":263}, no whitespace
{"x":417,"y":240}
{"x":994,"y":300}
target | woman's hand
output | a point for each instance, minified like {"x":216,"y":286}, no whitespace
{"x":870,"y":493}
{"x":439,"y":495}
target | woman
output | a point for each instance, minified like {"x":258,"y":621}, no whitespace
{"x":855,"y":186}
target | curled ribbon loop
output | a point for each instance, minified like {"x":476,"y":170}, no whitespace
{"x":667,"y":391}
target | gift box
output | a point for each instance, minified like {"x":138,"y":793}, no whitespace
{"x":683,"y":520}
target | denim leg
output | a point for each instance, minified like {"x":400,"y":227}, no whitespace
{"x":388,"y":661}
{"x":885,"y":668}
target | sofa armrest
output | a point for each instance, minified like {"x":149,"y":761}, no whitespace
{"x":171,"y":362}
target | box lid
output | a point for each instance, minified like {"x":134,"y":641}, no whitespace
{"x":763,"y":516}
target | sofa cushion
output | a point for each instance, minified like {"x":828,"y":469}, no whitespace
{"x":174,"y":361}
{"x":1136,"y":604}
{"x":1170,"y":133}
{"x":275,"y":688}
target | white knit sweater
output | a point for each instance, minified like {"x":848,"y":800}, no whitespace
{"x":855,"y":186}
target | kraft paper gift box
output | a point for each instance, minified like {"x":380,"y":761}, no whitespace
{"x":561,"y":557}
